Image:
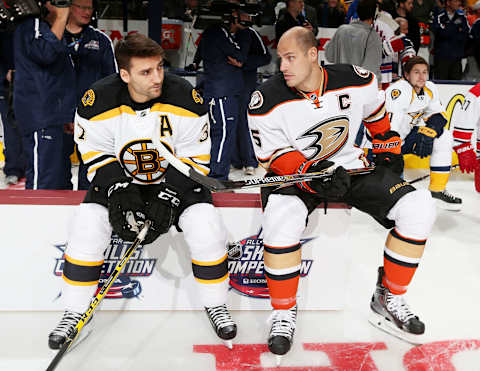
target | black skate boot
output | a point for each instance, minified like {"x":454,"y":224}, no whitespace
{"x":391,"y":314}
{"x":280,"y":338}
{"x":65,"y":328}
{"x":222,"y":323}
{"x":447,"y":201}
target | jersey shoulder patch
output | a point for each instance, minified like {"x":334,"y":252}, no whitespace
{"x":102,"y":96}
{"x":270,"y":94}
{"x":180,"y":93}
{"x":346,"y":75}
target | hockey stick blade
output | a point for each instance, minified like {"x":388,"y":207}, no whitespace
{"x":283,"y":180}
{"x":98,"y":298}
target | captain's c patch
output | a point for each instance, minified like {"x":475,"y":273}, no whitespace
{"x":88,"y":98}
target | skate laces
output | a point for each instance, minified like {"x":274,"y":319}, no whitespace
{"x":67,"y":323}
{"x":220,"y":316}
{"x":397,"y":305}
{"x":449,"y":195}
{"x":283,"y":322}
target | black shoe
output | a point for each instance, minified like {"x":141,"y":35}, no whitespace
{"x":447,"y":200}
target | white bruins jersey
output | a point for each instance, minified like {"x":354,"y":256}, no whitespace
{"x":110,"y":127}
{"x":319,"y":125}
{"x":408,"y":109}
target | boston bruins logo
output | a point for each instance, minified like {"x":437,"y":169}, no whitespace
{"x":141,"y":160}
{"x":329,"y":137}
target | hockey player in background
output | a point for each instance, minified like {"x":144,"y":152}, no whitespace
{"x":468,"y":121}
{"x":418,"y":116}
{"x":305,"y":120}
{"x":131,"y":183}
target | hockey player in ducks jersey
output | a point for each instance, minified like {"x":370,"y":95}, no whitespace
{"x":114,"y":124}
{"x":418,"y":116}
{"x":305,"y":120}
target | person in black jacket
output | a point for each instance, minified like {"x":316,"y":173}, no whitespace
{"x":295,"y":15}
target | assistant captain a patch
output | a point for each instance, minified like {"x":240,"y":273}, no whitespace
{"x":256,"y":100}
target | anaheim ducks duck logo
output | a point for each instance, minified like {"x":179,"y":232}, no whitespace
{"x":141,"y":160}
{"x":329,"y":137}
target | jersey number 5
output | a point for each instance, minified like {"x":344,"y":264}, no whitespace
{"x":256,"y":137}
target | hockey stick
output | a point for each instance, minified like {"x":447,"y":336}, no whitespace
{"x":98,"y":298}
{"x":216,"y":185}
{"x":428,"y":175}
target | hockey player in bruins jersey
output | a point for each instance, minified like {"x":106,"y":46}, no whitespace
{"x":418,"y":116}
{"x":114,"y":124}
{"x":305,"y":119}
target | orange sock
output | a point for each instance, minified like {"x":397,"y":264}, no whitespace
{"x":400,"y":260}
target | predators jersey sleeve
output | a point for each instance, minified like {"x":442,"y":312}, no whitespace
{"x":398,"y":97}
{"x":94,"y":133}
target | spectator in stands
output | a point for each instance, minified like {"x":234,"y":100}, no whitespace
{"x":257,"y":55}
{"x":472,"y":71}
{"x":451,"y":31}
{"x":358,"y":43}
{"x":14,"y":167}
{"x":404,"y":9}
{"x":223,"y":87}
{"x":296,"y":15}
{"x":44,"y":97}
{"x":92,"y":56}
{"x":422,"y":10}
{"x":331,"y":14}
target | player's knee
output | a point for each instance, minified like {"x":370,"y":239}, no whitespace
{"x":414,"y":214}
{"x":204,"y":230}
{"x":284,"y":220}
{"x":89,"y":233}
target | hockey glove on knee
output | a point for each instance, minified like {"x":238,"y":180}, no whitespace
{"x":466,"y":157}
{"x":334,"y":186}
{"x":423,"y":146}
{"x":161,"y":211}
{"x":387,"y":151}
{"x":125,"y":208}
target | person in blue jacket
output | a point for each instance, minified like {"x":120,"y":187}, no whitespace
{"x":257,"y":55}
{"x":93,"y":58}
{"x":14,"y":167}
{"x":451,"y":31}
{"x":223,"y":88}
{"x":44,"y":98}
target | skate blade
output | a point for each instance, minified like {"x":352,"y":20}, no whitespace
{"x":228,"y":344}
{"x":278,"y":360}
{"x":449,"y":207}
{"x":390,"y":328}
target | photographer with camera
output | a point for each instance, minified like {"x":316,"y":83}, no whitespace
{"x":44,"y":98}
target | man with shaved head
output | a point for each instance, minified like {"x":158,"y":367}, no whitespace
{"x":304,"y":120}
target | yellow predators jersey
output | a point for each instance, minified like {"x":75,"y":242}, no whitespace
{"x":321,"y":124}
{"x":110,"y":127}
{"x":408,"y":109}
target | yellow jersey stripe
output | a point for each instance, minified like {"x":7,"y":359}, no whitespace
{"x":79,"y":283}
{"x":203,"y":169}
{"x":429,"y":92}
{"x":82,"y":262}
{"x":117,"y":111}
{"x":169,"y":108}
{"x":221,"y":260}
{"x":212,"y":281}
{"x":87,"y":156}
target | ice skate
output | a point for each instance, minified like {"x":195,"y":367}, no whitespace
{"x":65,"y":328}
{"x":222,"y":323}
{"x":447,"y":201}
{"x":280,"y":338}
{"x":390,"y":313}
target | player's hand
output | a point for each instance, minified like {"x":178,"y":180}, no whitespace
{"x":307,"y":25}
{"x":423,"y":146}
{"x":68,"y":128}
{"x":125,"y":208}
{"x":387,"y":151}
{"x":161,"y":211}
{"x":335,"y":186}
{"x":234,"y":62}
{"x":466,"y":157}
{"x":58,"y":12}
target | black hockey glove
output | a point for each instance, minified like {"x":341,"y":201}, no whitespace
{"x":334,"y":186}
{"x":387,"y":151}
{"x":125,"y":208}
{"x":423,"y":146}
{"x":161,"y":211}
